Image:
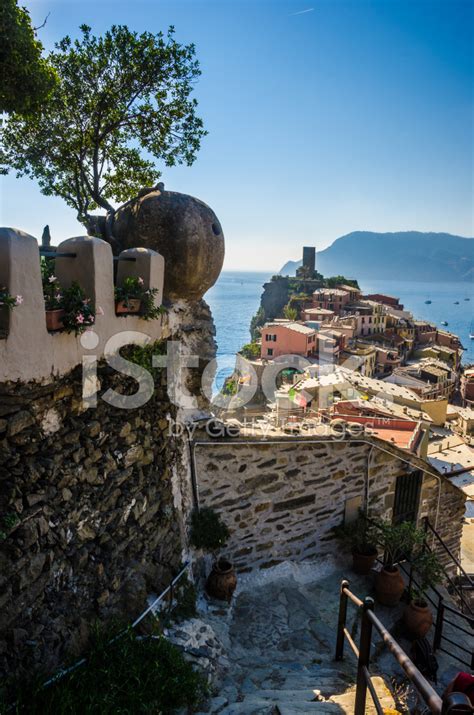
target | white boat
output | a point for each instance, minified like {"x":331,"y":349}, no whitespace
{"x":444,"y":322}
{"x":471,"y":331}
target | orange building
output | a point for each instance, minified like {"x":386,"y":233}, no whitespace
{"x":287,"y":338}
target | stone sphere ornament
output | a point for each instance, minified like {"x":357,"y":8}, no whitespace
{"x":184,"y":230}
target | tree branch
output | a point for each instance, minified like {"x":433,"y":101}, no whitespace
{"x":44,"y":23}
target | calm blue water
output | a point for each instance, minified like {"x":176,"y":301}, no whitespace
{"x":236,"y":296}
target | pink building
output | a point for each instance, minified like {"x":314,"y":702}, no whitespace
{"x":333,"y":299}
{"x":287,"y":339}
{"x":385,"y":299}
{"x":424,"y":332}
{"x":318,"y":314}
{"x":386,"y":361}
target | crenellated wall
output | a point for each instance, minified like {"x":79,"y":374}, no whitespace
{"x":29,"y":351}
{"x":93,"y":498}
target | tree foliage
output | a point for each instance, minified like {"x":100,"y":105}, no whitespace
{"x":26,"y":78}
{"x":122,"y":102}
{"x":334,"y":281}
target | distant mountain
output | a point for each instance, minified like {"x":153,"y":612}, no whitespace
{"x":289,"y":269}
{"x":408,"y":255}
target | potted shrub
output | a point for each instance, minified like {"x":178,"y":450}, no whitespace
{"x":209,"y":533}
{"x":128,"y":296}
{"x":52,"y":298}
{"x":79,"y":312}
{"x":397,"y":541}
{"x":417,"y":615}
{"x":133,"y":297}
{"x":360,"y":537}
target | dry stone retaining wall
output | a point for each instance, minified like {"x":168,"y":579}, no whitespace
{"x":93,"y":503}
{"x":281,"y":500}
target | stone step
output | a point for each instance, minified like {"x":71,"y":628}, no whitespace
{"x":303,"y":708}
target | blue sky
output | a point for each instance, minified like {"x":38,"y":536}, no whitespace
{"x":357,"y":114}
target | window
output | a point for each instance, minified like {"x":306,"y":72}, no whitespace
{"x":268,"y":337}
{"x":269,"y":352}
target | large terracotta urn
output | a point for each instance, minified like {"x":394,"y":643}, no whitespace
{"x":184,"y":230}
{"x":222,"y":581}
{"x":418,"y":618}
{"x":389,"y":586}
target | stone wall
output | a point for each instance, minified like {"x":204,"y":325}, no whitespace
{"x":93,"y":503}
{"x":281,"y":499}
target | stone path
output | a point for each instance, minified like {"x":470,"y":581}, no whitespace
{"x":272,"y":651}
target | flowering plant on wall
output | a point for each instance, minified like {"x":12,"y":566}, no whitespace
{"x":132,"y":297}
{"x":79,"y":312}
{"x":9,"y":301}
{"x":51,"y":288}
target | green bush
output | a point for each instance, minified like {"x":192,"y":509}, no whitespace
{"x":398,"y":540}
{"x":148,"y":675}
{"x":251,"y":351}
{"x":208,"y":531}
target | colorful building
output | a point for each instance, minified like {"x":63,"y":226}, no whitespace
{"x":287,"y":338}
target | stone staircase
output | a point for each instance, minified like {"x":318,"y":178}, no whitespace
{"x":298,"y":690}
{"x":275,"y":652}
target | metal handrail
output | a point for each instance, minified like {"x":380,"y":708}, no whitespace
{"x":448,"y":551}
{"x":64,"y":671}
{"x":364,"y":683}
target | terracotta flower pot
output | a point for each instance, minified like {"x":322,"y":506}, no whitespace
{"x":222,"y":581}
{"x":389,"y":586}
{"x":132,"y":305}
{"x":418,"y":618}
{"x":54,"y":319}
{"x":4,"y":320}
{"x":362,"y":563}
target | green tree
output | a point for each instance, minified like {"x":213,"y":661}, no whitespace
{"x":122,"y":102}
{"x":334,"y":281}
{"x":250,"y":351}
{"x":290,"y":312}
{"x":26,"y":77}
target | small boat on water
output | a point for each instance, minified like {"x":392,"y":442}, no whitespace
{"x":428,"y":302}
{"x":456,"y":302}
{"x":444,"y":322}
{"x":471,"y":331}
{"x":467,"y":299}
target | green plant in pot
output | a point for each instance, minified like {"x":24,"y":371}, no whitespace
{"x":52,"y":296}
{"x":209,"y":533}
{"x":417,"y":615}
{"x":79,"y":311}
{"x":360,"y":536}
{"x":397,"y":541}
{"x":132,"y":297}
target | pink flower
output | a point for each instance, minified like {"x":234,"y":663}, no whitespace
{"x":91,"y":319}
{"x":80,"y":318}
{"x":52,"y":279}
{"x":58,"y":296}
{"x":19,"y":299}
{"x":100,"y":311}
{"x":141,"y":281}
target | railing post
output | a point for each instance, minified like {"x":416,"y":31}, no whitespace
{"x":341,"y":621}
{"x":438,"y":634}
{"x":364,"y":656}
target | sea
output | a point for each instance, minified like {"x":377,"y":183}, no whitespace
{"x":235,"y":298}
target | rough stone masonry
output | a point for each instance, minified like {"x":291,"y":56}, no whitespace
{"x":93,"y":504}
{"x":281,"y":498}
